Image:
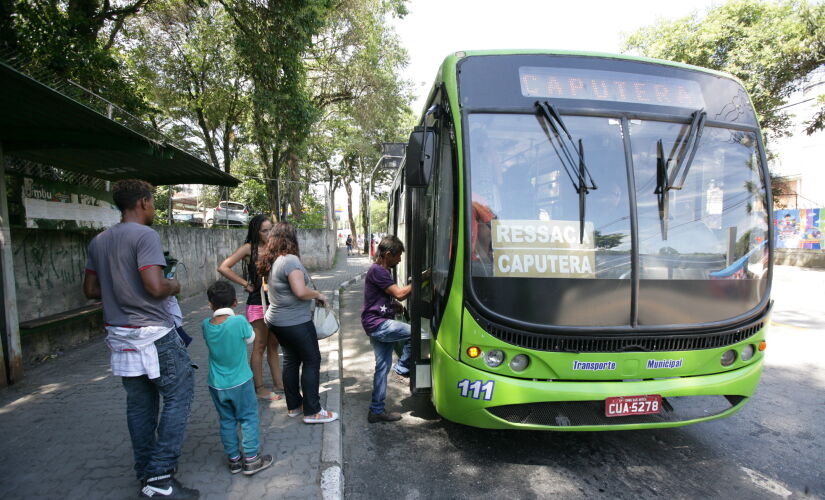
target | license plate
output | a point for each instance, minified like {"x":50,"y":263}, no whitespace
{"x":621,"y":406}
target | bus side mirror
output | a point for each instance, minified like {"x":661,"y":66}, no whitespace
{"x":419,"y":161}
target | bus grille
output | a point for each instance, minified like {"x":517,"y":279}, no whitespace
{"x":584,"y":413}
{"x":619,"y":342}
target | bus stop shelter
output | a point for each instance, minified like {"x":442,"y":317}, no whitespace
{"x":39,"y":124}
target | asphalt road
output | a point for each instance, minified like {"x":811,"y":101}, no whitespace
{"x":773,"y":448}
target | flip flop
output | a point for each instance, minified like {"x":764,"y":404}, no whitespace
{"x":271,"y":397}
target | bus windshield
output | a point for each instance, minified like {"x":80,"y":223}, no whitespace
{"x":546,"y":253}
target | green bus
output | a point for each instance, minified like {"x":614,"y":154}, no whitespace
{"x":589,"y":242}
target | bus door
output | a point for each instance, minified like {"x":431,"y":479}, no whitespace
{"x":431,"y":208}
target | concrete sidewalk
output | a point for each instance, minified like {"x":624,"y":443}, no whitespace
{"x":65,"y":436}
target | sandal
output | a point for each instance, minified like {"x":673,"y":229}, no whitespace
{"x":272,"y":396}
{"x":295,"y":412}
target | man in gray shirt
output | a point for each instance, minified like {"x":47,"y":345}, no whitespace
{"x":124,"y":268}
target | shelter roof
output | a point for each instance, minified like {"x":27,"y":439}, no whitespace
{"x":38,"y":123}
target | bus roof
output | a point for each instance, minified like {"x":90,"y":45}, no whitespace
{"x":469,"y":53}
{"x":452,"y":59}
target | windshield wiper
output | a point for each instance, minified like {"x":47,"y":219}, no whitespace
{"x":662,"y":187}
{"x":578,"y":175}
{"x":685,"y":149}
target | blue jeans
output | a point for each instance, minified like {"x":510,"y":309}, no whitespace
{"x":157,"y":444}
{"x":383,"y":340}
{"x":238,"y":405}
{"x":300,"y":346}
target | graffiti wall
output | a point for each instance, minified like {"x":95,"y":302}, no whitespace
{"x":801,"y":228}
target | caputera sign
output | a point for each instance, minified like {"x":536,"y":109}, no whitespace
{"x":543,"y":249}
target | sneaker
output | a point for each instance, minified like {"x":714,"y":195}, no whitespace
{"x":256,"y":464}
{"x":387,"y":416}
{"x":401,"y":372}
{"x":236,"y":465}
{"x":166,"y":486}
{"x":295,"y":412}
{"x":322,"y":417}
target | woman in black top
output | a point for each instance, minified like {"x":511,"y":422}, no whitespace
{"x":255,"y":243}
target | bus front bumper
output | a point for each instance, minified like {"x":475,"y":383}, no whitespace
{"x":474,"y":397}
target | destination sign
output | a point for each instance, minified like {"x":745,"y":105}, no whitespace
{"x":600,"y":85}
{"x":542,"y":249}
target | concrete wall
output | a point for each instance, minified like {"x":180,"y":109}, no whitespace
{"x":200,"y":251}
{"x":49,"y":264}
{"x":317,"y":248}
{"x":800,"y":258}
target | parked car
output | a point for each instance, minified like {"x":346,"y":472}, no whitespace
{"x":187,"y":217}
{"x":229,"y":213}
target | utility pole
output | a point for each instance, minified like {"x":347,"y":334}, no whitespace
{"x":11,"y":363}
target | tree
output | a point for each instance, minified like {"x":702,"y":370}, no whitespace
{"x":271,"y":38}
{"x":354,"y":69}
{"x":71,"y":40}
{"x":252,"y":189}
{"x":183,"y":56}
{"x":770,"y":47}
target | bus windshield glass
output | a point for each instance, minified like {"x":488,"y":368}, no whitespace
{"x":546,"y":253}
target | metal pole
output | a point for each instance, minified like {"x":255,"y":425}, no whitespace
{"x":368,"y":236}
{"x":12,"y":369}
{"x":169,"y":213}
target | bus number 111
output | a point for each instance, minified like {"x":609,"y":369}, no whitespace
{"x":477,"y":389}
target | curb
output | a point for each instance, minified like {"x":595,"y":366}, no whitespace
{"x":332,"y":461}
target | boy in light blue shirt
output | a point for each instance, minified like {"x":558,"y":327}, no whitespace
{"x":230,"y":380}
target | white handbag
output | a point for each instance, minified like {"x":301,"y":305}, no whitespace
{"x":326,"y":324}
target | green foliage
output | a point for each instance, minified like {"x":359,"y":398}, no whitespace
{"x":252,"y":189}
{"x":161,"y":196}
{"x":769,"y":46}
{"x":71,"y":40}
{"x":271,"y":39}
{"x":312,"y":215}
{"x":378,"y":214}
{"x":211,"y":196}
{"x":183,"y":56}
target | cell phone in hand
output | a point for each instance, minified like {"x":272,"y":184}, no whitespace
{"x":171,"y":268}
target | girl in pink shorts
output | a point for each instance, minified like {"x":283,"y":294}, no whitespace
{"x":265,"y":342}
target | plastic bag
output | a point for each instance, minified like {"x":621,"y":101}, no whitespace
{"x":326,"y":324}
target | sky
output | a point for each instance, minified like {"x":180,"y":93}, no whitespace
{"x":435,"y":28}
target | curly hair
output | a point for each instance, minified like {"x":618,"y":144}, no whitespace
{"x":127,"y":192}
{"x":283,"y":240}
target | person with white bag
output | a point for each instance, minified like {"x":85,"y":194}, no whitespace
{"x":289,"y":317}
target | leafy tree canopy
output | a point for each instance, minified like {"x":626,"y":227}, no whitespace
{"x":770,"y":46}
{"x":71,"y":40}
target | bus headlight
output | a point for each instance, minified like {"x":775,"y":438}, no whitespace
{"x":494,"y":358}
{"x":519,"y":362}
{"x":728,"y":357}
{"x":747,"y":352}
